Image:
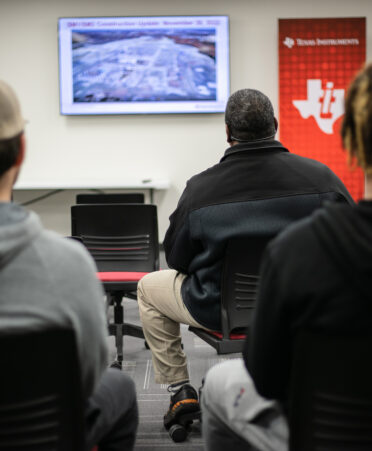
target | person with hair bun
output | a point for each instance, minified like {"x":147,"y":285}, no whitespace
{"x":315,"y":275}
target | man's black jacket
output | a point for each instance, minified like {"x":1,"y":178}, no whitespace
{"x":256,"y":189}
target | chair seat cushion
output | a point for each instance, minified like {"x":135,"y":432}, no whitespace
{"x":232,"y":336}
{"x":118,"y":276}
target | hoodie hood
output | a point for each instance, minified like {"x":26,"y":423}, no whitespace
{"x":346,"y":235}
{"x":18,"y":228}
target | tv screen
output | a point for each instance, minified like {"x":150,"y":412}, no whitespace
{"x":139,"y":65}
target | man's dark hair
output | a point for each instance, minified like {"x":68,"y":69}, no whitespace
{"x":9,"y":151}
{"x":250,"y":115}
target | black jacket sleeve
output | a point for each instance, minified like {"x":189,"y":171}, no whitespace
{"x":178,"y":245}
{"x":267,"y":352}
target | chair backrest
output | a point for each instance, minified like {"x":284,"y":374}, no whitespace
{"x":120,"y":237}
{"x":41,"y":405}
{"x":239,"y":282}
{"x":330,"y":406}
{"x":111,"y":198}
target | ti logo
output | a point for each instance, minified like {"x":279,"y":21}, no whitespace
{"x":326,"y":105}
{"x":289,"y":42}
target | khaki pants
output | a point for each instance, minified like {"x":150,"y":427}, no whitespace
{"x":162,"y":311}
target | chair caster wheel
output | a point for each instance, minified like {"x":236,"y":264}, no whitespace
{"x":178,"y":433}
{"x":116,"y":365}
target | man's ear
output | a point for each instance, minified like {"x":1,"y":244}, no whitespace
{"x":22,"y":151}
{"x":276,"y":123}
{"x":228,"y":134}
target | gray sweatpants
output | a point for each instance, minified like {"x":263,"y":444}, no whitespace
{"x":235,"y":416}
{"x":111,"y":413}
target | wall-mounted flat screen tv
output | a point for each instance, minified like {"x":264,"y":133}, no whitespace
{"x":140,"y":65}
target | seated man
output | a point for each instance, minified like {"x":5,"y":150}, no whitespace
{"x":257,"y":188}
{"x":315,"y":275}
{"x":48,"y":280}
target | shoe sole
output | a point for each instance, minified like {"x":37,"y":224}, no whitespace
{"x":181,"y":408}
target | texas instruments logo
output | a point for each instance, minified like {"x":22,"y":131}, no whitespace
{"x":289,"y":42}
{"x":325,"y":105}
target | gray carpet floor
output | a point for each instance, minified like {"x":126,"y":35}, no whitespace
{"x":153,"y":399}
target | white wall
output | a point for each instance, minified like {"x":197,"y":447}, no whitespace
{"x":173,"y":147}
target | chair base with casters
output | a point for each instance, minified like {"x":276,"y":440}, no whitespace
{"x":118,"y":285}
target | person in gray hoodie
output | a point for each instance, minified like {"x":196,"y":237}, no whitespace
{"x":47,"y":280}
{"x":315,"y":275}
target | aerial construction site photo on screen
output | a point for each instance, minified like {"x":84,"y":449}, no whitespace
{"x":144,"y":65}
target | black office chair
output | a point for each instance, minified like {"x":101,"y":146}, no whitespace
{"x":110,"y":198}
{"x":41,"y":403}
{"x":330,"y":404}
{"x":239,"y":282}
{"x":123,"y":240}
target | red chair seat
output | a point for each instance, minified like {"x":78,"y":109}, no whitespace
{"x":232,"y":336}
{"x":118,"y":276}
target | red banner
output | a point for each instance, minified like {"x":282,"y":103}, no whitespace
{"x":317,"y":60}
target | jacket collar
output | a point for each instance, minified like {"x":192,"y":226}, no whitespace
{"x":259,"y":146}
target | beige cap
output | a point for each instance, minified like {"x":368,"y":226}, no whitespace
{"x":11,"y":120}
